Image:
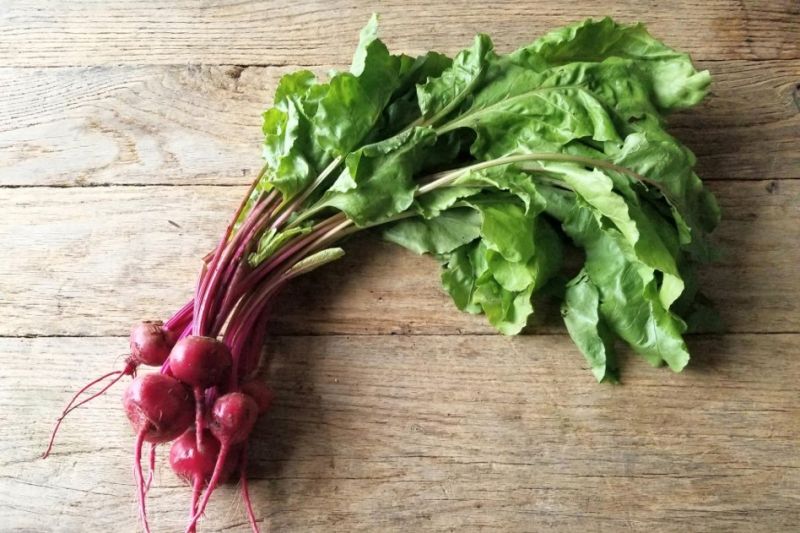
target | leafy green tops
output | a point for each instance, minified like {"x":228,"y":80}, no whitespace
{"x":495,"y":164}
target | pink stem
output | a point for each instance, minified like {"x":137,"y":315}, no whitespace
{"x":286,"y":213}
{"x":246,"y":351}
{"x":234,"y":268}
{"x":225,"y":253}
{"x":251,"y":354}
{"x":178,"y":321}
{"x":228,"y":300}
{"x":241,"y":322}
{"x":244,"y":318}
{"x":241,"y":287}
{"x":198,"y":291}
{"x":268,"y":266}
{"x":309,"y":247}
{"x":232,"y":223}
{"x":185,"y":333}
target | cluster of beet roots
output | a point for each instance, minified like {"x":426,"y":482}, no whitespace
{"x":206,"y":398}
{"x":185,"y":404}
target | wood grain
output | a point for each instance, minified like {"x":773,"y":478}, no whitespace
{"x":91,"y":261}
{"x":436,"y":433}
{"x":201,"y":125}
{"x":128,"y":130}
{"x":313,"y":32}
{"x":132,"y":125}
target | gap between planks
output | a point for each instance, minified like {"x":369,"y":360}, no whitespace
{"x":244,"y":184}
{"x":300,"y":65}
{"x":290,"y":335}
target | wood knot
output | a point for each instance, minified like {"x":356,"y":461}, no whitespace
{"x":235,"y":72}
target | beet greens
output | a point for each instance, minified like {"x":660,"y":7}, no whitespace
{"x":491,"y":163}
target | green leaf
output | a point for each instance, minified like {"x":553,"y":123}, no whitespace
{"x":630,"y":302}
{"x":311,"y":123}
{"x":538,"y":269}
{"x":539,"y":119}
{"x":459,"y":277}
{"x":439,"y":235}
{"x":443,"y":94}
{"x":271,"y":240}
{"x":355,"y":100}
{"x":290,"y":150}
{"x":512,"y":276}
{"x":403,"y":110}
{"x":667,"y":164}
{"x":367,"y":37}
{"x":596,"y":188}
{"x":506,"y":310}
{"x":378,"y":180}
{"x":479,"y":278}
{"x":674,"y":80}
{"x":314,"y":261}
{"x":587,"y":328}
{"x":431,"y":204}
{"x":401,"y":139}
{"x":505,"y":226}
{"x":657,"y":248}
{"x":619,"y":84}
{"x":503,"y":178}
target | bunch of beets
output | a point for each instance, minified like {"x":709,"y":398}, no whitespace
{"x":495,"y":164}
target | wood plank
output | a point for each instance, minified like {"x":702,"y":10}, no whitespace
{"x":749,"y":124}
{"x":313,"y":32}
{"x":201,"y":125}
{"x":88,"y":126}
{"x":439,"y":433}
{"x":91,"y":261}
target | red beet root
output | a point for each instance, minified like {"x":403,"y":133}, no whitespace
{"x":158,"y":406}
{"x":200,"y":361}
{"x":195,"y":465}
{"x":188,"y":462}
{"x":151,"y":343}
{"x":232,"y":419}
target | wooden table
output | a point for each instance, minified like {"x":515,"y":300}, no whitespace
{"x":128,"y":131}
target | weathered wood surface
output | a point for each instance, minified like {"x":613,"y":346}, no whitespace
{"x":90,"y":261}
{"x":193,"y":125}
{"x":36,"y":32}
{"x":437,"y":433}
{"x":127,"y":133}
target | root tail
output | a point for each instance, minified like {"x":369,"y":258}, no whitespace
{"x":248,"y":505}
{"x":212,"y":485}
{"x":137,"y":474}
{"x":71,"y":406}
